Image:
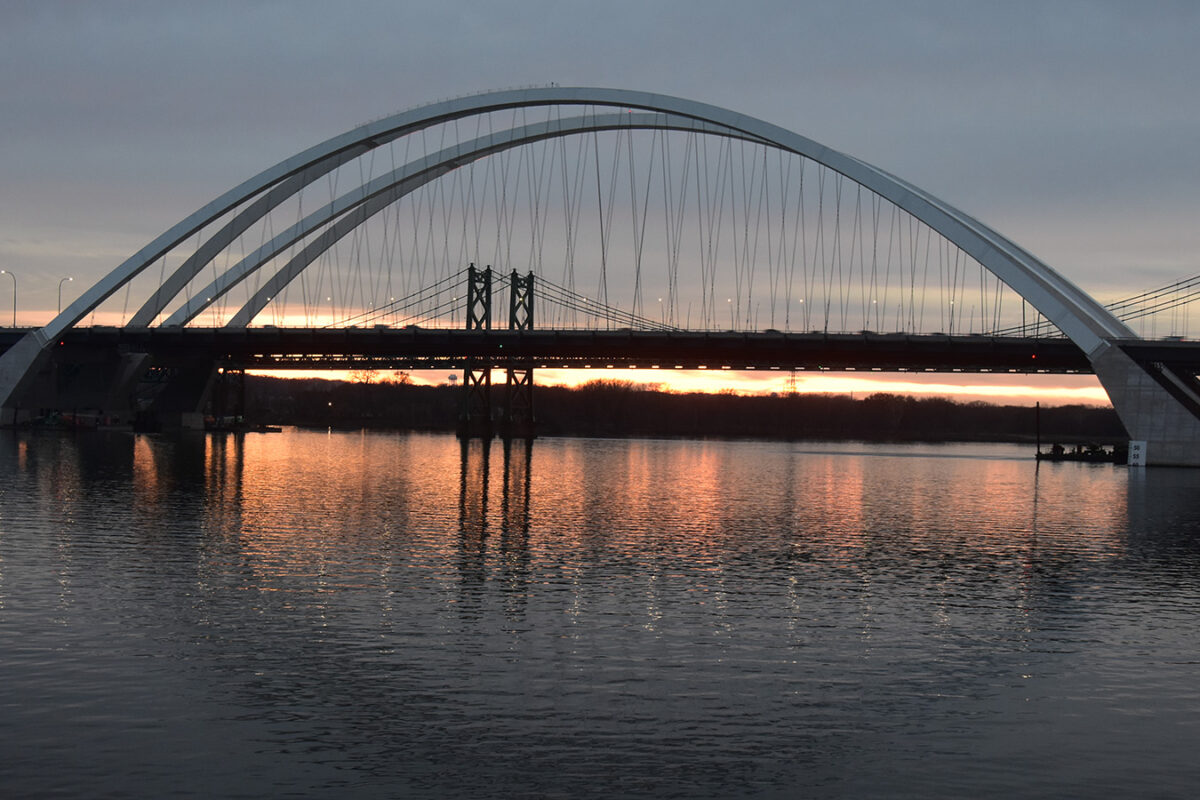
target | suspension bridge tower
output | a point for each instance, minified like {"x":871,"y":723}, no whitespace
{"x":477,"y":418}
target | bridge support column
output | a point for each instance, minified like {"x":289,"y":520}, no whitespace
{"x":1159,"y":408}
{"x":475,"y":421}
{"x":518,"y":422}
{"x":77,"y":385}
{"x":20,"y":367}
{"x":475,"y":417}
{"x":178,"y":398}
{"x":229,"y":399}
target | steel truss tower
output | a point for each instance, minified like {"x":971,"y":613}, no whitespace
{"x":476,"y":418}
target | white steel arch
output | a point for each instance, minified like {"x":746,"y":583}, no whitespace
{"x":361,"y":203}
{"x":1079,"y":316}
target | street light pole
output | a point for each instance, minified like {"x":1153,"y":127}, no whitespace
{"x":14,"y":279}
{"x":60,"y":283}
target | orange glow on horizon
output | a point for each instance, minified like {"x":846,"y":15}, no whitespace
{"x":1005,"y":389}
{"x":1009,"y":389}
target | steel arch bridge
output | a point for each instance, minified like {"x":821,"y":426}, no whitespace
{"x":1160,"y":407}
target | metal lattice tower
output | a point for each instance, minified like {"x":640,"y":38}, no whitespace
{"x":475,"y":419}
{"x":518,"y":422}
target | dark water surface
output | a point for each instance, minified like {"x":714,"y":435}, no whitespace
{"x":373,"y":615}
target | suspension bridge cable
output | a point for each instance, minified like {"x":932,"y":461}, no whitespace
{"x":407,"y":301}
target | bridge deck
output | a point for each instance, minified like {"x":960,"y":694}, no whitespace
{"x":439,"y":348}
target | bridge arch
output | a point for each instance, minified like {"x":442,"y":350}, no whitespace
{"x":1079,"y":316}
{"x":361,"y":203}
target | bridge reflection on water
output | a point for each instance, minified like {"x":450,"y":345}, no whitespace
{"x":368,"y":613}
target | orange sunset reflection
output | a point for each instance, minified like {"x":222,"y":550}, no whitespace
{"x":312,"y":514}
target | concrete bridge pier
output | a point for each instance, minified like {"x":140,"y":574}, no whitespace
{"x":178,"y":400}
{"x":20,"y":368}
{"x":1159,"y":407}
{"x":85,"y":385}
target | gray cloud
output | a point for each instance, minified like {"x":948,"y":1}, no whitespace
{"x":1070,"y":126}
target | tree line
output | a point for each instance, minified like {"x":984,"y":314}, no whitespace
{"x":622,"y":408}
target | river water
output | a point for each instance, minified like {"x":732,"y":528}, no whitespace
{"x":377,"y":615}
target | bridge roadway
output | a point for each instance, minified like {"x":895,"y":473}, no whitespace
{"x":411,"y":348}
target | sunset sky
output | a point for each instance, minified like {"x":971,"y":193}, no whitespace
{"x":1070,"y":127}
{"x":1022,"y":390}
{"x":1004,"y":390}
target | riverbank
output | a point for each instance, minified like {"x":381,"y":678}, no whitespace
{"x":617,"y":408}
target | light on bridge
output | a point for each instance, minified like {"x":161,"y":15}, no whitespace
{"x":60,"y":285}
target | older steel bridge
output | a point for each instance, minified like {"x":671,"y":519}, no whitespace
{"x":650,"y":230}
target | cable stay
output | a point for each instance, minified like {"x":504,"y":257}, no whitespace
{"x":1141,"y":306}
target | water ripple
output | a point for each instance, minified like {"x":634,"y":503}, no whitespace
{"x":379,"y":614}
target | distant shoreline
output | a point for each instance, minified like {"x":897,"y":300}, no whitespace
{"x":540,"y":434}
{"x":617,"y":409}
